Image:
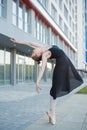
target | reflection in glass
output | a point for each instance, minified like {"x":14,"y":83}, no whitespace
{"x":26,"y":21}
{"x":1,"y":67}
{"x":49,"y":71}
{"x":14,"y":11}
{"x":20,"y":68}
{"x":7,"y":67}
{"x":0,"y":11}
{"x":3,"y":6}
{"x":24,"y":69}
{"x":31,"y":69}
{"x":20,"y":16}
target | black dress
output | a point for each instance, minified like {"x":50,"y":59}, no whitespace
{"x":65,"y":76}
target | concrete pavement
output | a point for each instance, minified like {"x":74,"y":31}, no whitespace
{"x":21,"y":108}
{"x":71,"y":115}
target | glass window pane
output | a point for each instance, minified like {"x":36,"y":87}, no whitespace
{"x":14,"y":11}
{"x":31,"y":69}
{"x":53,"y":12}
{"x":49,"y":71}
{"x":14,"y":7}
{"x":20,"y":23}
{"x":29,"y":22}
{"x":1,"y":66}
{"x":65,"y":12}
{"x":60,"y":22}
{"x":20,"y":16}
{"x":14,"y":19}
{"x":60,"y":4}
{"x":7,"y":67}
{"x":26,"y":21}
{"x":20,"y":12}
{"x":17,"y":68}
{"x":3,"y":8}
{"x":0,"y":11}
{"x":1,"y":1}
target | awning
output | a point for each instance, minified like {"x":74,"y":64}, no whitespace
{"x":6,"y":42}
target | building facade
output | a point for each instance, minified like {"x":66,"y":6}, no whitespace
{"x":80,"y":34}
{"x":86,"y":29}
{"x":48,"y":22}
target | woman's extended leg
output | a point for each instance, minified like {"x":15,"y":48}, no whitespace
{"x":51,"y":113}
{"x":52,"y":106}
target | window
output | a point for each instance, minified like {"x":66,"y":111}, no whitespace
{"x":75,"y":1}
{"x":70,"y":36}
{"x":60,"y":4}
{"x":49,"y":71}
{"x":41,"y":31}
{"x":65,"y":12}
{"x":73,"y":27}
{"x":70,"y":5}
{"x":56,"y":1}
{"x":27,"y":20}
{"x":1,"y":66}
{"x":60,"y":43}
{"x":70,"y":21}
{"x":60,"y":22}
{"x":75,"y":9}
{"x":3,"y":8}
{"x":37,"y":29}
{"x":75,"y":17}
{"x":53,"y":12}
{"x":73,"y":13}
{"x":47,"y":35}
{"x":67,"y":1}
{"x":14,"y":12}
{"x":53,"y":38}
{"x":65,"y":29}
{"x":43,"y":2}
{"x":44,"y":34}
{"x":20,"y":15}
{"x":5,"y":66}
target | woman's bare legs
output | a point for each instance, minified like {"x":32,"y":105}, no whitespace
{"x":51,"y":113}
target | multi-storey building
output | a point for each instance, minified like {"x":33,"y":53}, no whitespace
{"x":47,"y":22}
{"x":80,"y":34}
{"x":86,"y":30}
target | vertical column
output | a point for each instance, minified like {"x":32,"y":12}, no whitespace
{"x":13,"y":66}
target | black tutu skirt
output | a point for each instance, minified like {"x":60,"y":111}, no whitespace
{"x":65,"y":76}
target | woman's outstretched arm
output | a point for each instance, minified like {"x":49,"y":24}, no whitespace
{"x":45,"y":56}
{"x":27,"y":43}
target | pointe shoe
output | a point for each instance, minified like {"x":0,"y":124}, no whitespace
{"x":51,"y":120}
{"x":48,"y":114}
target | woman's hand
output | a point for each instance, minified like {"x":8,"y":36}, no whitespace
{"x":13,"y":40}
{"x":38,"y":87}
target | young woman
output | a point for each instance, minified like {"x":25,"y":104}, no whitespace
{"x":65,"y":76}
